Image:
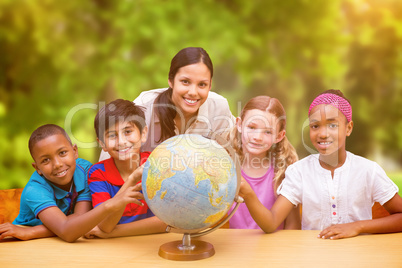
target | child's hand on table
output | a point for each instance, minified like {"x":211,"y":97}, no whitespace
{"x":340,"y":231}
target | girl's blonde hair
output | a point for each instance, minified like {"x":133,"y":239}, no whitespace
{"x":283,"y":153}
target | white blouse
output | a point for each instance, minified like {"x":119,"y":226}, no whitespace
{"x":347,"y":197}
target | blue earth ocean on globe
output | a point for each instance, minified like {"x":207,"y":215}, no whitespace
{"x":189,"y":182}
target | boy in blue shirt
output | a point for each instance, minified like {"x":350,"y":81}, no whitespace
{"x":56,"y":200}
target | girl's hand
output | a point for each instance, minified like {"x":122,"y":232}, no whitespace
{"x":245,"y":189}
{"x":339,"y":231}
{"x":96,"y":233}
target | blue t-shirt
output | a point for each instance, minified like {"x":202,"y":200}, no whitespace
{"x":40,"y":194}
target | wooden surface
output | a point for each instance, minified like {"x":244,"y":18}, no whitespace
{"x":234,"y":248}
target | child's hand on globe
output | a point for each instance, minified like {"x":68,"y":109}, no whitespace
{"x":130,"y":195}
{"x":136,"y":176}
{"x":245,"y":190}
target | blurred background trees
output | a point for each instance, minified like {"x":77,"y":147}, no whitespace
{"x":62,"y":60}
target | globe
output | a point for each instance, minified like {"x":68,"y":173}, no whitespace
{"x":189,"y":182}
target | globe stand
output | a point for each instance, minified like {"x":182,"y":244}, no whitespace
{"x":186,"y":250}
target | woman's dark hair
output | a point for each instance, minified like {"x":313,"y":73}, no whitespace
{"x":164,"y":107}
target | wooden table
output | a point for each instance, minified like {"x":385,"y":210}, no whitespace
{"x":235,"y":248}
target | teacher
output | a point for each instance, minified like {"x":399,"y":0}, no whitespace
{"x":187,"y":105}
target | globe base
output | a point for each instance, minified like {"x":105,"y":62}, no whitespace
{"x":174,"y":251}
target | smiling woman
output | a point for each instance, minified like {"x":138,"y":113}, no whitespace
{"x":187,"y":106}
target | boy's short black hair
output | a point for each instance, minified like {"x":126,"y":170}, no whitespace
{"x":43,"y":132}
{"x":117,"y":111}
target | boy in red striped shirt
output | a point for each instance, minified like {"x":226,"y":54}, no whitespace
{"x":120,"y":129}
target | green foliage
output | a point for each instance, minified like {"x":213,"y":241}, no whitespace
{"x":61,"y":60}
{"x":397,"y":178}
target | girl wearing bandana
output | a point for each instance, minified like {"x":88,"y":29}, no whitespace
{"x":336,"y":188}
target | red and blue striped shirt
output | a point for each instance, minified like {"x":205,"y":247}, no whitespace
{"x":105,"y":181}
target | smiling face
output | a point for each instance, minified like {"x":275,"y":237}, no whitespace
{"x":329,"y":129}
{"x":54,"y":158}
{"x":123,"y":141}
{"x":259,"y":131}
{"x":191,"y":86}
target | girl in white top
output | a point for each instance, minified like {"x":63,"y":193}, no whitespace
{"x":265,"y":153}
{"x":336,"y":188}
